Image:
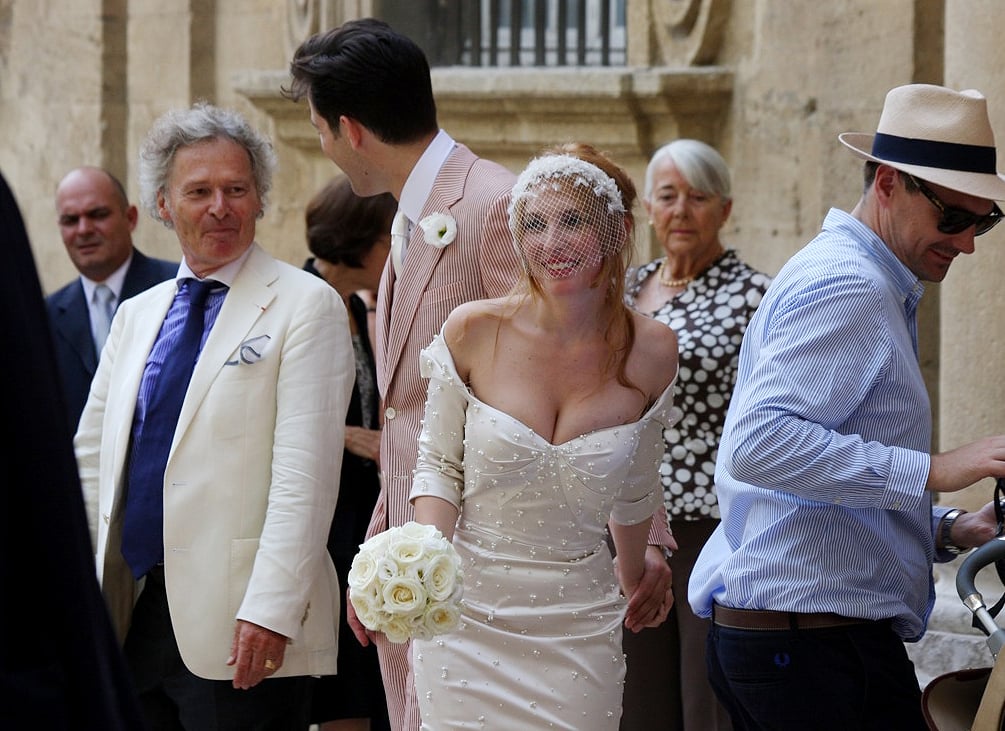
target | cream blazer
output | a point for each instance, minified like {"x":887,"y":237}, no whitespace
{"x":252,"y":477}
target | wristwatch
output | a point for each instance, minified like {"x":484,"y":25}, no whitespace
{"x":946,"y":529}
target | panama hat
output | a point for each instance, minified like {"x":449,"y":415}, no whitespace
{"x":937,"y":134}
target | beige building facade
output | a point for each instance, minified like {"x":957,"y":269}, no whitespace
{"x":771,"y":83}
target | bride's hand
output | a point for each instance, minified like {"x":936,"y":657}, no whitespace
{"x":650,"y":600}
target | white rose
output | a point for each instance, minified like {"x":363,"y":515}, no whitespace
{"x":398,"y":629}
{"x":404,"y":595}
{"x":406,"y":552}
{"x":378,"y":543}
{"x":440,"y":577}
{"x":419,"y":531}
{"x":442,"y":617}
{"x":387,"y":569}
{"x":366,"y":607}
{"x":363,"y":571}
{"x":440,"y":229}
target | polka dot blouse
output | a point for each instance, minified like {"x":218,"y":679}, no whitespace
{"x":709,"y":316}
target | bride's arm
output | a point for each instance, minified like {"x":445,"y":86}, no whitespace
{"x":438,"y":480}
{"x":630,"y":548}
{"x":438,"y":512}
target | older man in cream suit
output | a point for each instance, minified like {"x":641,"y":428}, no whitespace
{"x":370,"y":96}
{"x":240,"y":587}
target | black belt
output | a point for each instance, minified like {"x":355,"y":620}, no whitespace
{"x":767,"y":620}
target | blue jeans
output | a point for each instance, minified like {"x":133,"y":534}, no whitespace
{"x":844,"y":678}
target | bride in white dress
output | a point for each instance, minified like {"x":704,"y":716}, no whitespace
{"x":543,"y":425}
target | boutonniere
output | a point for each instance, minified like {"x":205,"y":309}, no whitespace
{"x":440,"y":229}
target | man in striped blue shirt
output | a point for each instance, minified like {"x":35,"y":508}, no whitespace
{"x":822,"y":565}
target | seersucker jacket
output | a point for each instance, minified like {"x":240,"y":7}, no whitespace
{"x":481,"y":262}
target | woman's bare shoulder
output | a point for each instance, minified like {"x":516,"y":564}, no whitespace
{"x":656,"y":351}
{"x":469,"y":319}
{"x":472,"y":327}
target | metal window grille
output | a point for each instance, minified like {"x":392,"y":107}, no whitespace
{"x":541,"y":33}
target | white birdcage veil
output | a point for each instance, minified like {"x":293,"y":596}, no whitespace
{"x":566,"y":215}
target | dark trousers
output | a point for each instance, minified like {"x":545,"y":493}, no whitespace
{"x":843,"y":678}
{"x":173,"y":699}
{"x":666,"y":685}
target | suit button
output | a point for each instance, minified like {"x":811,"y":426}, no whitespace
{"x":390,"y":413}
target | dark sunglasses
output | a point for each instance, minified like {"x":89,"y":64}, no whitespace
{"x":954,"y":220}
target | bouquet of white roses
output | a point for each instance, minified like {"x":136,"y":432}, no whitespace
{"x":406,"y":583}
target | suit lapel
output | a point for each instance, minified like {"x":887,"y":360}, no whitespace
{"x":247,"y":299}
{"x":421,"y":260}
{"x":74,"y":326}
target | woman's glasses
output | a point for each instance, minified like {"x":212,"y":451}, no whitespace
{"x":954,"y":220}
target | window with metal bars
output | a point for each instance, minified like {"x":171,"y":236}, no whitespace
{"x":523,"y":33}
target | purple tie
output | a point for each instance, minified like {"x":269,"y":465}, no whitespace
{"x":143,"y":529}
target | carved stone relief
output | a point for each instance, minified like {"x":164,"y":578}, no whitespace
{"x":677,"y":32}
{"x":306,"y":17}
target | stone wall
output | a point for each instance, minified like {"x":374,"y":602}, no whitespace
{"x":769,"y":82}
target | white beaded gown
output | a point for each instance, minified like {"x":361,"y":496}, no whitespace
{"x":539,"y":644}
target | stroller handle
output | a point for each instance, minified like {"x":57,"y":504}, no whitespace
{"x":986,"y":555}
{"x":993,"y":550}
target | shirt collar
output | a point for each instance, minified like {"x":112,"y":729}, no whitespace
{"x":420,"y":181}
{"x":905,"y":281}
{"x":224,"y":275}
{"x":114,"y":281}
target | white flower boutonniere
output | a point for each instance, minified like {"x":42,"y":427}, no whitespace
{"x":440,"y":229}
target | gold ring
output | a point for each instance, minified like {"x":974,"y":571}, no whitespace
{"x":270,"y":664}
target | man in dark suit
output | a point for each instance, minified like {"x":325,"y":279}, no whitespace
{"x":96,"y":222}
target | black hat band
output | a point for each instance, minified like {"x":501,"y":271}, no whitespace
{"x":933,"y":154}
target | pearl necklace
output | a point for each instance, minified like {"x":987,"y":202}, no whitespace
{"x":667,"y":282}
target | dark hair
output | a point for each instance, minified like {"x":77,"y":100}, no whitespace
{"x":342,"y":227}
{"x":869,"y":175}
{"x":366,"y":71}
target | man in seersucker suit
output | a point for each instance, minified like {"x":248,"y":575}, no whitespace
{"x":96,"y":222}
{"x":371,"y":99}
{"x":210,"y":499}
{"x":370,"y":96}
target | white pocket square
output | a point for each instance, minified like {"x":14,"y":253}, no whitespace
{"x":250,"y":351}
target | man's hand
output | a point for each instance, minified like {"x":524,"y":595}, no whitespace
{"x":256,"y":653}
{"x":975,"y":529}
{"x":652,"y":599}
{"x":961,"y":467}
{"x":363,"y":443}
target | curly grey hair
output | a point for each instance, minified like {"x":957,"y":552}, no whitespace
{"x":202,"y":122}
